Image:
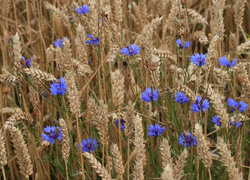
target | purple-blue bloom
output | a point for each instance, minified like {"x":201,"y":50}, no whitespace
{"x":199,"y":59}
{"x":187,"y":140}
{"x":59,"y":43}
{"x":148,"y":95}
{"x":216,"y":120}
{"x":93,"y":40}
{"x":233,"y":104}
{"x":132,"y":50}
{"x":242,"y":106}
{"x":185,"y":44}
{"x":224,"y":62}
{"x":88,"y":145}
{"x":52,"y":134}
{"x":237,"y":124}
{"x":181,"y":98}
{"x":83,"y":9}
{"x":198,"y":105}
{"x":58,"y":88}
{"x":155,"y":130}
{"x":27,"y":62}
{"x":122,"y":122}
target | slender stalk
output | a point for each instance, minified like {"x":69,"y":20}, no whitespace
{"x":79,"y":142}
{"x":205,"y":128}
{"x":128,"y":162}
{"x":119,"y":129}
{"x":3,"y":172}
{"x":210,"y":176}
{"x":67,"y":173}
{"x":197,"y":164}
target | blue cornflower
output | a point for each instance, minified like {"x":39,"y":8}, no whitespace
{"x":187,"y":140}
{"x":88,"y":145}
{"x":53,"y":133}
{"x":199,"y":59}
{"x":242,"y":106}
{"x":185,"y":44}
{"x":224,"y":62}
{"x":59,"y":43}
{"x":58,"y":88}
{"x":237,"y":124}
{"x":197,"y":106}
{"x":93,"y":40}
{"x":181,"y":98}
{"x":83,"y":9}
{"x":233,"y":104}
{"x":216,"y":120}
{"x":27,"y":62}
{"x":132,"y":50}
{"x":155,"y":130}
{"x":122,"y":122}
{"x":148,"y":95}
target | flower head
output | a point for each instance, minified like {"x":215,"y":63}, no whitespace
{"x":88,"y":145}
{"x":26,"y":62}
{"x":233,"y":104}
{"x":181,"y":98}
{"x":185,"y":44}
{"x":242,"y":106}
{"x":83,"y":9}
{"x":132,"y":50}
{"x":237,"y":124}
{"x":59,"y":43}
{"x":148,"y":95}
{"x":58,"y":88}
{"x":187,"y":140}
{"x":155,"y":130}
{"x":199,"y":59}
{"x":224,"y":62}
{"x":52,"y":133}
{"x":93,"y":40}
{"x":216,"y":120}
{"x":198,"y":105}
{"x":122,"y":122}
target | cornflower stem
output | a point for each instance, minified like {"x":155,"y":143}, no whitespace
{"x":103,"y":152}
{"x":3,"y":171}
{"x":205,"y":128}
{"x":119,"y":129}
{"x":128,"y":162}
{"x":79,"y":142}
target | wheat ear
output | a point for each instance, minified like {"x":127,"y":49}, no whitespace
{"x":140,"y":159}
{"x":168,"y":173}
{"x":97,"y":166}
{"x":21,"y":150}
{"x":38,"y":74}
{"x":165,"y":153}
{"x":118,"y":162}
{"x":228,"y":161}
{"x":179,"y":165}
{"x":203,"y":147}
{"x":3,"y":154}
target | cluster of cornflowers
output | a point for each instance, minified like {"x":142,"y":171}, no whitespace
{"x":233,"y":106}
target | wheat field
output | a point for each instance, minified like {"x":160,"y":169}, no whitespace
{"x":125,"y":89}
